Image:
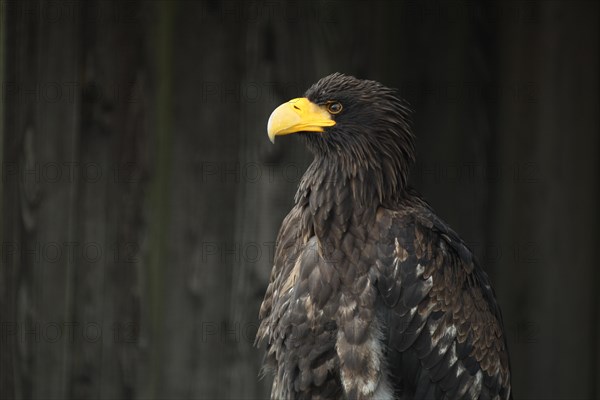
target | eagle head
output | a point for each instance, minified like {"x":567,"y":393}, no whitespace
{"x":353,"y":123}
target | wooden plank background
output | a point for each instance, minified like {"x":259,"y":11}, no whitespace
{"x":141,"y":198}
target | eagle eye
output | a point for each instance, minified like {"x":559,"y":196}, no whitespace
{"x":334,"y":107}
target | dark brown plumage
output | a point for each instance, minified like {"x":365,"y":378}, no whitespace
{"x":371,"y":294}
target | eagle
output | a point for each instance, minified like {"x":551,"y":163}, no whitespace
{"x":372,"y":295}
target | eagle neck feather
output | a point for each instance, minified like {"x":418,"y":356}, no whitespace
{"x":336,"y":192}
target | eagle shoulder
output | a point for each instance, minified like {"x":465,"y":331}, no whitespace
{"x":444,"y":329}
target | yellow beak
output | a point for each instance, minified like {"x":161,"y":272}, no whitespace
{"x":298,"y":115}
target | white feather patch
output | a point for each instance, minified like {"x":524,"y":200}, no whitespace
{"x":371,"y":382}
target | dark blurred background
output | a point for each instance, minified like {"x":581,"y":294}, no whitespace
{"x":141,"y":197}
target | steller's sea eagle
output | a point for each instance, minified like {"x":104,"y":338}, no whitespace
{"x":372,"y":296}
